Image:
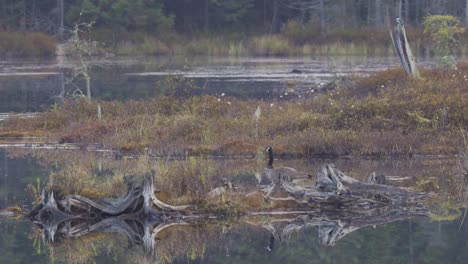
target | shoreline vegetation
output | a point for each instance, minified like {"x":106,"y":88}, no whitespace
{"x":27,"y":44}
{"x":384,"y":114}
{"x":293,"y":39}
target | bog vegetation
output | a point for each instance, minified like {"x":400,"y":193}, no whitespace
{"x":382,"y":114}
{"x":23,"y":44}
{"x":444,"y":32}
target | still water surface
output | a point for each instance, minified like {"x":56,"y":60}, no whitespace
{"x":417,"y":240}
{"x":33,"y":86}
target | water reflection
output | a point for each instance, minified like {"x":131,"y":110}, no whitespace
{"x":28,"y":93}
{"x":140,"y":215}
{"x":382,"y":236}
{"x":152,"y":239}
{"x":412,"y":241}
{"x":15,"y":175}
{"x":33,"y":86}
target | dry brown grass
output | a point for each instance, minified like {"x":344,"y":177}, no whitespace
{"x":384,"y":114}
{"x":294,"y":38}
{"x":26,"y":44}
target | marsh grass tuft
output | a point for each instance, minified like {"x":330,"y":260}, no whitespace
{"x":271,"y":45}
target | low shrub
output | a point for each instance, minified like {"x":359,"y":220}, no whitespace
{"x":26,"y":44}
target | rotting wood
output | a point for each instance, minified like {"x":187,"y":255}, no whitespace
{"x":337,"y":204}
{"x":333,"y":186}
{"x":402,"y":47}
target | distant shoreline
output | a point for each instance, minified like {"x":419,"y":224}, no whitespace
{"x":363,"y":42}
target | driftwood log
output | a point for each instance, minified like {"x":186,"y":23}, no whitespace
{"x":337,"y":204}
{"x":333,"y":187}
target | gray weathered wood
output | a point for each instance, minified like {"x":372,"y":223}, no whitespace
{"x":402,"y":47}
{"x":337,"y":204}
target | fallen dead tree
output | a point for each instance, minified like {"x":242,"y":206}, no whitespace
{"x":334,"y":188}
{"x":337,"y":204}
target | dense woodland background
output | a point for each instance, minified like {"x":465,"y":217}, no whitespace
{"x":217,"y":16}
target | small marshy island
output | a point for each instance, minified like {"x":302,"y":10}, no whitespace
{"x":245,"y":131}
{"x":384,"y":114}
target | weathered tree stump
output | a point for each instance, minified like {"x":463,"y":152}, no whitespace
{"x":337,"y":204}
{"x":335,"y":187}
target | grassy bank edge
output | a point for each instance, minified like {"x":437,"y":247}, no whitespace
{"x":381,"y":115}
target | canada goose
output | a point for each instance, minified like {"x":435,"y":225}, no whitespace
{"x":270,"y":172}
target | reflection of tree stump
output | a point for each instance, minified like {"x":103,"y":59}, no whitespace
{"x":340,"y":205}
{"x":337,"y":204}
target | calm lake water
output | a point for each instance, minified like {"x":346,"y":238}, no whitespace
{"x":33,"y":86}
{"x":416,"y":240}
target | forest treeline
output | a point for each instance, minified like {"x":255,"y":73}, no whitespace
{"x":221,"y":27}
{"x":195,"y":16}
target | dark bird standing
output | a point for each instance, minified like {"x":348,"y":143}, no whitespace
{"x":270,"y":172}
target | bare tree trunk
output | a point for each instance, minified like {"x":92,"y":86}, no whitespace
{"x":407,"y":11}
{"x":378,"y":12}
{"x":386,"y":17}
{"x":23,"y":15}
{"x":274,"y":19}
{"x":60,"y":9}
{"x":466,"y":13}
{"x":33,"y":18}
{"x":418,"y":4}
{"x":400,"y":7}
{"x":206,"y":15}
{"x":343,"y":13}
{"x":369,"y":10}
{"x":4,"y":15}
{"x":322,"y":15}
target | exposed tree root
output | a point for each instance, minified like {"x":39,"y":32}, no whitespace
{"x":337,"y":204}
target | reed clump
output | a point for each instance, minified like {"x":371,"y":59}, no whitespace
{"x":271,"y":45}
